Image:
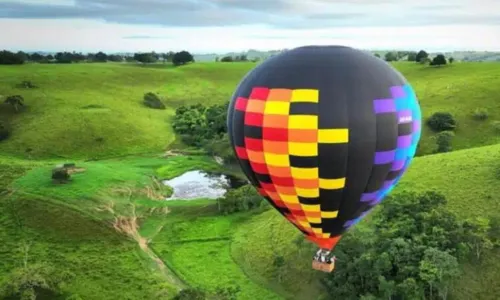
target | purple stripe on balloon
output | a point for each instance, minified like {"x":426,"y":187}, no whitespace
{"x":349,"y":223}
{"x":398,"y":92}
{"x":384,"y":157}
{"x":405,"y":116}
{"x":416,"y":125}
{"x":352,"y":222}
{"x":384,"y":106}
{"x":404,"y":141}
{"x":365,"y":197}
{"x":388,"y":183}
{"x":375,"y":201}
{"x":397,"y":165}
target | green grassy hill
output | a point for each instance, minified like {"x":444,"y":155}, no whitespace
{"x":84,"y":111}
{"x":468,"y":178}
{"x":95,"y":110}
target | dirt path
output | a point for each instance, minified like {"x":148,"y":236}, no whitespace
{"x":129,"y":226}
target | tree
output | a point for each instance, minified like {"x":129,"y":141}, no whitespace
{"x":145,"y":57}
{"x":443,"y":141}
{"x":438,"y":269}
{"x":227,"y":59}
{"x":182,"y":58}
{"x":28,"y":280}
{"x":412,"y":56}
{"x":115,"y":58}
{"x":451,"y":60}
{"x":421,"y":55}
{"x":240,"y":199}
{"x":37,"y":57}
{"x":10,"y":58}
{"x":441,"y":121}
{"x":439,"y":60}
{"x":15,"y":101}
{"x":386,"y":288}
{"x":391,"y":56}
{"x":101,"y":57}
{"x":377,"y":55}
{"x":477,"y":232}
{"x":64,"y":57}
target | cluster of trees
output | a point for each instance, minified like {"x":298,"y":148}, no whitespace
{"x":236,"y":58}
{"x":420,"y":57}
{"x":412,"y":252}
{"x":176,"y":58}
{"x":444,"y":124}
{"x":241,"y":199}
{"x":204,"y":127}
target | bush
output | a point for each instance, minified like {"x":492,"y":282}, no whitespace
{"x":26,"y":84}
{"x":60,"y":175}
{"x":441,"y":121}
{"x":4,"y":133}
{"x":496,"y":126}
{"x":443,"y":141}
{"x":190,"y":294}
{"x":241,"y":199}
{"x":480,"y":114}
{"x":153,"y":101}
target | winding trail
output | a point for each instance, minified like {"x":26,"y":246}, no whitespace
{"x":129,"y":227}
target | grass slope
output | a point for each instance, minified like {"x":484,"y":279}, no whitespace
{"x":69,"y":226}
{"x":468,"y":178}
{"x":95,"y":110}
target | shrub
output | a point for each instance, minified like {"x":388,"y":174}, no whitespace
{"x":190,"y":294}
{"x":441,"y":121}
{"x":26,"y":84}
{"x":16,"y":101}
{"x":153,"y":101}
{"x":443,"y":141}
{"x":496,"y":126}
{"x":4,"y":133}
{"x":480,"y":114}
{"x":60,"y":175}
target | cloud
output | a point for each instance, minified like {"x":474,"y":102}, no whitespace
{"x":276,"y":13}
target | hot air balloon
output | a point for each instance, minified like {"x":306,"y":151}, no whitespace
{"x":324,"y":133}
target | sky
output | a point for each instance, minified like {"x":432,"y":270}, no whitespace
{"x":220,"y":26}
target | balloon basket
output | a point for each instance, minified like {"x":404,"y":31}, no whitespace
{"x":323,"y":262}
{"x":323,"y":266}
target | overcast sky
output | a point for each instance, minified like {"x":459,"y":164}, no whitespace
{"x":203,"y":26}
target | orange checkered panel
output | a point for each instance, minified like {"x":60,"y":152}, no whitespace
{"x":281,"y":142}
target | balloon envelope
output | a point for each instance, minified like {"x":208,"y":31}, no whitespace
{"x":324,"y":133}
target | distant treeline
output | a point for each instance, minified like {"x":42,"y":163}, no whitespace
{"x":236,"y":58}
{"x":421,"y":57}
{"x":16,"y":58}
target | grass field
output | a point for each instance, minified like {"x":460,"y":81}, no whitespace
{"x":64,"y":115}
{"x":468,"y":178}
{"x":92,"y":114}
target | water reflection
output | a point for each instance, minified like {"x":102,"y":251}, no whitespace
{"x":200,"y":184}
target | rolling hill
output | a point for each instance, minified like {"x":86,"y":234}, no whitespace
{"x":107,"y":228}
{"x":64,"y":115}
{"x":469,"y":180}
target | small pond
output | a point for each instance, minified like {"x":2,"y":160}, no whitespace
{"x":199,"y":184}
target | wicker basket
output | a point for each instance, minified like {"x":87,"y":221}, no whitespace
{"x":323,"y":266}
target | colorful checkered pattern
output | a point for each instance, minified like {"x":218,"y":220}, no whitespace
{"x":281,"y":142}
